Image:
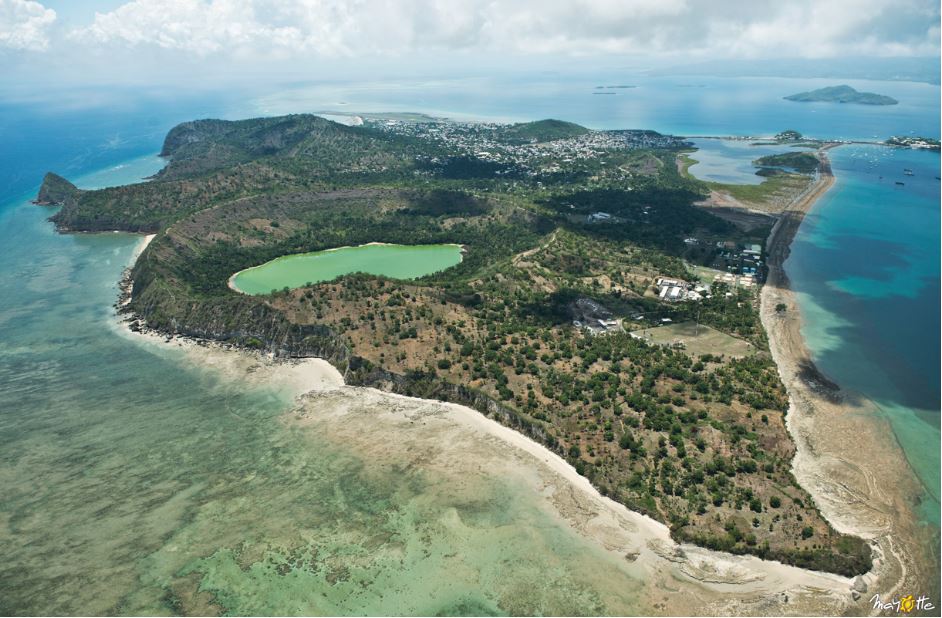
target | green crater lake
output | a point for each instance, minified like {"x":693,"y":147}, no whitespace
{"x":395,"y":261}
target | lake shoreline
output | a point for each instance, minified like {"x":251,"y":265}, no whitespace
{"x":861,"y":482}
{"x":230,"y":282}
{"x":722,"y":583}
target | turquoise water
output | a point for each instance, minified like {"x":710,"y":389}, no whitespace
{"x":395,"y":261}
{"x":131,"y":479}
{"x":866,"y":266}
{"x":682,"y":105}
{"x":137,"y":482}
{"x":49,"y":134}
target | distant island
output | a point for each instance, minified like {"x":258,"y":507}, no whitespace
{"x":842,"y":94}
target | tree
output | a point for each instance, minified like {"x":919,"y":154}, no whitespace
{"x":781,"y":308}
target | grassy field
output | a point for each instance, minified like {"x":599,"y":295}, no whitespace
{"x":704,"y":273}
{"x":684,"y":161}
{"x":774,"y":190}
{"x":698,"y":340}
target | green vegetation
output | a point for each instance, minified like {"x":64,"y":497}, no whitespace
{"x":788,"y":135}
{"x":56,"y":190}
{"x":693,"y":438}
{"x":842,"y":94}
{"x":540,"y":131}
{"x":776,"y":188}
{"x":801,"y":162}
{"x":905,"y":141}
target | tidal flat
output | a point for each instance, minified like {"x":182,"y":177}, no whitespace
{"x":393,"y":505}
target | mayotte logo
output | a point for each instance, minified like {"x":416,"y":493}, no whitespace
{"x":904,"y":604}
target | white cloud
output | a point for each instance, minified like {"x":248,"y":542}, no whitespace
{"x":679,"y":28}
{"x":23,"y":24}
{"x":266,"y":27}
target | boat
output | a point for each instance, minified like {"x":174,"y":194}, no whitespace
{"x":908,"y":172}
{"x":899,"y":183}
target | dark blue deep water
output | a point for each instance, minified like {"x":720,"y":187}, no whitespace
{"x":866,"y":266}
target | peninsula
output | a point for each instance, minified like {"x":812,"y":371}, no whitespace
{"x":842,"y":94}
{"x":916,"y":143}
{"x":595,"y":309}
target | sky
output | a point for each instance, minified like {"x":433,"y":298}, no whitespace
{"x":124,"y":40}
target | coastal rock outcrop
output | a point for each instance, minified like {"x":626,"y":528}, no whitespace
{"x":55,"y":190}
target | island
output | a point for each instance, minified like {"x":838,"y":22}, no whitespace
{"x":800,"y":162}
{"x":842,"y":94}
{"x":595,"y":307}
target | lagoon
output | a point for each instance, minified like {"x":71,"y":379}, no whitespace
{"x":394,"y":261}
{"x":731,"y":161}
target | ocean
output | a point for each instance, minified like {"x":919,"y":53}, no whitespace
{"x":132,"y":479}
{"x":692,"y":105}
{"x":136,"y":481}
{"x":865,"y":265}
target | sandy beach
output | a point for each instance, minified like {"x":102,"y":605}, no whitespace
{"x":849,"y":477}
{"x":846,"y":455}
{"x":453,"y":440}
{"x":450,"y":440}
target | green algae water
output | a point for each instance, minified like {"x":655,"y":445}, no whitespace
{"x":395,"y":261}
{"x":137,"y":483}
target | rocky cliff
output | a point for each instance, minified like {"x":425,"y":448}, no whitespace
{"x":55,"y":190}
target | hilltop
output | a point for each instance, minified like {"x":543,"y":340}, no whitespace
{"x":541,"y":131}
{"x":55,"y":190}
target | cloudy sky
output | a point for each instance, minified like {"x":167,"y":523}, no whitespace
{"x":90,"y":38}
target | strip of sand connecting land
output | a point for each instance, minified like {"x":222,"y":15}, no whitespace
{"x":846,"y":456}
{"x":859,"y":479}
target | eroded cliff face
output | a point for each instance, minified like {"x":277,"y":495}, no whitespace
{"x":242,"y":322}
{"x":429,"y":386}
{"x":250,"y":323}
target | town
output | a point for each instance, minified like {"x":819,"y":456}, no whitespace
{"x":490,"y":143}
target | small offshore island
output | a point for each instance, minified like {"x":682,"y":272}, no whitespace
{"x":601,"y":307}
{"x":842,"y":94}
